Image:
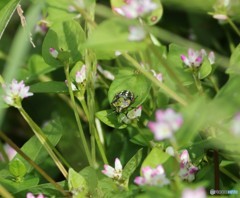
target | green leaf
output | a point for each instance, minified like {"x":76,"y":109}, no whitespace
{"x":156,"y":157}
{"x":6,"y":11}
{"x":174,"y":60}
{"x":49,"y":87}
{"x":132,"y":164}
{"x":58,"y":11}
{"x":234,"y":67}
{"x":36,"y":67}
{"x":109,"y":117}
{"x":17,"y":168}
{"x":143,"y":138}
{"x":205,"y":69}
{"x":65,"y":37}
{"x":35,"y":150}
{"x":112,"y":35}
{"x":77,"y":184}
{"x":129,"y":79}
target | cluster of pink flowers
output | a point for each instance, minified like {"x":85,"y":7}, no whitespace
{"x":15,"y":92}
{"x":187,"y":169}
{"x":136,"y":8}
{"x":167,"y":123}
{"x":195,"y":58}
{"x":152,"y":177}
{"x":81,"y":75}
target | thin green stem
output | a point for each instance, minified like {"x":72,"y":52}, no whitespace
{"x":148,"y":75}
{"x":214,"y":84}
{"x":230,"y":175}
{"x":32,"y":163}
{"x":44,"y":141}
{"x":197,"y":83}
{"x":235,"y":28}
{"x":79,"y":124}
{"x":5,"y":193}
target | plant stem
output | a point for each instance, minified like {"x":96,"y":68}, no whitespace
{"x":197,"y":83}
{"x":81,"y":133}
{"x":216,"y":170}
{"x":230,"y":175}
{"x":148,"y":75}
{"x":5,"y":193}
{"x":235,"y":28}
{"x":31,"y":162}
{"x":44,"y":141}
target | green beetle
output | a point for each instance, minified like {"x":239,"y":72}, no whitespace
{"x":122,"y":100}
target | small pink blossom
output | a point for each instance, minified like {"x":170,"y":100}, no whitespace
{"x":136,"y":33}
{"x":194,"y":59}
{"x":81,"y":75}
{"x":235,"y":125}
{"x":9,"y":151}
{"x":152,"y":177}
{"x":15,"y":91}
{"x":54,"y":53}
{"x":187,"y":169}
{"x":167,"y":123}
{"x":158,"y":76}
{"x":136,"y":8}
{"x":211,"y":57}
{"x":191,"y":193}
{"x":30,"y":195}
{"x":116,"y":172}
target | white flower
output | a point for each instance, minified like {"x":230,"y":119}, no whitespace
{"x":107,"y":74}
{"x":116,"y":172}
{"x":53,"y":52}
{"x":197,"y":193}
{"x":167,"y":122}
{"x":81,"y":75}
{"x":136,"y":33}
{"x":194,"y":59}
{"x":136,"y":8}
{"x":152,"y":177}
{"x":9,"y":151}
{"x":187,"y":169}
{"x":15,"y":92}
{"x":211,"y":57}
{"x":158,"y":76}
{"x":170,"y":150}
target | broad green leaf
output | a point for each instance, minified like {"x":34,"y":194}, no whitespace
{"x":49,"y":87}
{"x":60,"y":10}
{"x":132,"y":164}
{"x":156,"y":157}
{"x":131,"y":80}
{"x":25,"y":184}
{"x":143,"y":138}
{"x":234,"y":67}
{"x":35,"y":150}
{"x":176,"y":64}
{"x":7,"y":9}
{"x":17,"y":168}
{"x":36,"y":67}
{"x":110,"y":118}
{"x":77,"y":184}
{"x":205,"y":69}
{"x":65,"y":37}
{"x":111,"y":36}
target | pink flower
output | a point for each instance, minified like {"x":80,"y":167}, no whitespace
{"x":9,"y":151}
{"x":30,"y":195}
{"x":158,"y":76}
{"x":15,"y":92}
{"x":167,"y":122}
{"x":53,"y":52}
{"x":194,"y":59}
{"x":197,"y":193}
{"x":136,"y":33}
{"x":152,"y":177}
{"x":136,"y":8}
{"x":116,"y":172}
{"x":81,"y":75}
{"x":187,"y":170}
